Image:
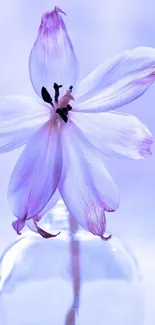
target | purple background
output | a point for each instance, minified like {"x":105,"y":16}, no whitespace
{"x":98,"y":30}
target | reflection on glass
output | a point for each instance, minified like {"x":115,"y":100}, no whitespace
{"x":74,"y":279}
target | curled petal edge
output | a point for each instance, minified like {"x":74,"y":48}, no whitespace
{"x":18,"y":225}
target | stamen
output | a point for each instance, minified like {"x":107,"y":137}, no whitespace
{"x":64,"y":110}
{"x":62,"y":114}
{"x":46,"y":96}
{"x":69,"y":107}
{"x":57,"y":93}
{"x":71,"y":88}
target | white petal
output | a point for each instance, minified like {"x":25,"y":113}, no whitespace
{"x":51,"y":203}
{"x":118,"y":81}
{"x":33,"y":225}
{"x":85,"y":185}
{"x":20,"y":118}
{"x":36,"y":174}
{"x":115,"y":134}
{"x":52,"y":57}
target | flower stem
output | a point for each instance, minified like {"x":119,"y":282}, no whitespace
{"x":75,"y":271}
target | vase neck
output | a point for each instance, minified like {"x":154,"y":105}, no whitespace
{"x":60,"y":219}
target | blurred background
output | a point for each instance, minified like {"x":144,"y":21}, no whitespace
{"x":98,"y":31}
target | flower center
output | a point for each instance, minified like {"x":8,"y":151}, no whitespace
{"x":61,"y":107}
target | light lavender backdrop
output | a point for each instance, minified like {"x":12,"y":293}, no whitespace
{"x":99,"y":29}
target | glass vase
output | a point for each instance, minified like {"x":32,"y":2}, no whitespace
{"x":73,"y":279}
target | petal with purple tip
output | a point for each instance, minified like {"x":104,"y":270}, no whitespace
{"x":33,"y":225}
{"x":51,"y":203}
{"x":19,"y":224}
{"x":52,"y":59}
{"x":86,"y":187}
{"x":116,"y":134}
{"x":117,"y":82}
{"x":37,"y":173}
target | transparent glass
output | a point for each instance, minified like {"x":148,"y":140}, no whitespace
{"x":74,"y":279}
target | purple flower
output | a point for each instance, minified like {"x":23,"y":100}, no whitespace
{"x":70,"y":129}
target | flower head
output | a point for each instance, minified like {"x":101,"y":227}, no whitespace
{"x":67,"y":135}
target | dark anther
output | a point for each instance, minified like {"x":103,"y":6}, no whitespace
{"x":46,"y":96}
{"x":62,"y":114}
{"x":57,"y":93}
{"x":71,"y":88}
{"x":66,"y":109}
{"x":69,"y":107}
